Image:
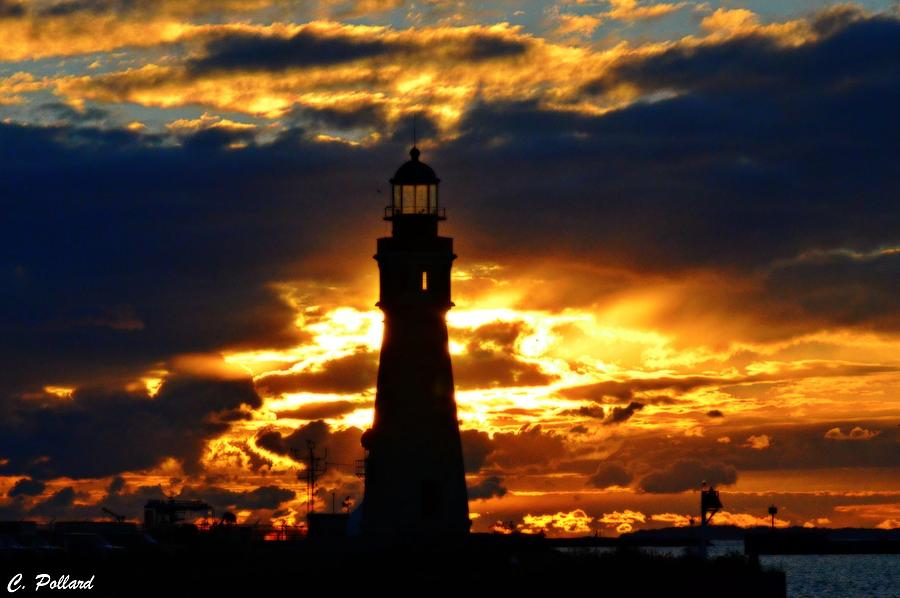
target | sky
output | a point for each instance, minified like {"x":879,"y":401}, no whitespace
{"x":677,"y":228}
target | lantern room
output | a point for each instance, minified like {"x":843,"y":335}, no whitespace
{"x":414,"y":190}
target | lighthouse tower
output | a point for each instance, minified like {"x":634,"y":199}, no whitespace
{"x":415,"y":481}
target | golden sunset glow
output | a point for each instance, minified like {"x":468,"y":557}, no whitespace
{"x":675,"y":233}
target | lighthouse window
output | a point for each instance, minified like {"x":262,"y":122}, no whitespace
{"x":424,"y":281}
{"x":421,"y":199}
{"x":409,"y":199}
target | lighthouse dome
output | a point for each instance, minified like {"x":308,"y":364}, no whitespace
{"x":414,"y":172}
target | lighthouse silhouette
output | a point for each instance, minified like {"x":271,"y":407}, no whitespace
{"x":415,"y":482}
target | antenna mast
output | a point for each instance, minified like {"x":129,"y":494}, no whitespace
{"x":315,"y":468}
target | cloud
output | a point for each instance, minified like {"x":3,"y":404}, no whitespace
{"x":797,"y":447}
{"x":307,"y":47}
{"x":476,"y":446}
{"x":528,"y":446}
{"x":351,"y":374}
{"x":262,"y":497}
{"x":104,"y":432}
{"x":739,"y":91}
{"x":673,"y":519}
{"x":618,"y":415}
{"x":687,"y":474}
{"x":592,"y":411}
{"x":323,"y":410}
{"x":173,"y":250}
{"x":625,"y":390}
{"x":26,"y":487}
{"x":13,"y":86}
{"x":489,"y":487}
{"x":622,"y":520}
{"x":573,"y":522}
{"x":342,"y":446}
{"x":715,"y":413}
{"x":581,"y":25}
{"x":491,"y":359}
{"x":758,"y":442}
{"x":610,"y":474}
{"x":630,"y":10}
{"x":857,"y":433}
{"x":59,"y":500}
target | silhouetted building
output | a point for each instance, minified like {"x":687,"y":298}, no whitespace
{"x":415,"y":481}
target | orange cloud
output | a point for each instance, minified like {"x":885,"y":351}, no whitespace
{"x":573,"y":522}
{"x":857,"y":433}
{"x":12,"y":87}
{"x":758,"y":442}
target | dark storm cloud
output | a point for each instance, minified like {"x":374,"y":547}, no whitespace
{"x":610,"y":474}
{"x":851,"y":52}
{"x":526,"y":447}
{"x":58,"y":501}
{"x":489,"y":359}
{"x":842,"y":288}
{"x":367,"y":116}
{"x":249,"y":51}
{"x":26,"y":487}
{"x":118,"y":251}
{"x":104,"y":432}
{"x":324,"y":409}
{"x":351,"y":374}
{"x":687,"y":474}
{"x":618,"y":415}
{"x":342,"y":446}
{"x":624,"y":391}
{"x":592,"y":411}
{"x":116,"y":485}
{"x":484,"y":46}
{"x":488,"y":487}
{"x":476,"y":446}
{"x":129,"y":501}
{"x":310,"y":48}
{"x":715,"y":413}
{"x":484,"y":369}
{"x":766,"y":152}
{"x":621,"y":391}
{"x":799,"y":446}
{"x":117,"y":254}
{"x":99,"y":223}
{"x":11,"y":8}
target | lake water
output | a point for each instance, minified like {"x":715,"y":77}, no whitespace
{"x":827,"y":575}
{"x":864,"y":575}
{"x":824,"y":576}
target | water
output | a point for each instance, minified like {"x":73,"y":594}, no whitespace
{"x":822,"y":576}
{"x":839,"y":575}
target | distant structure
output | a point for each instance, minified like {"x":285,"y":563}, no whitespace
{"x":170,"y":512}
{"x":773,"y":510}
{"x":710,"y":504}
{"x":414,"y":477}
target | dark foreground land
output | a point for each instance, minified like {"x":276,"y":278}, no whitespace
{"x":476,"y":566}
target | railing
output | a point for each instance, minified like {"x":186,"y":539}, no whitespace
{"x":391,"y":211}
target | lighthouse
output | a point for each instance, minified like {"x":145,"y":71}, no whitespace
{"x":414,"y":478}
